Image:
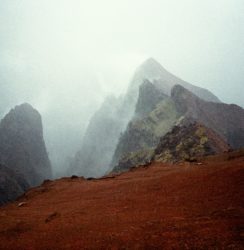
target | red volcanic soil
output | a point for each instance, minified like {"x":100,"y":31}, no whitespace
{"x":184,"y":206}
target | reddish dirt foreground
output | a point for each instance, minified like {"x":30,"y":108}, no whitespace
{"x":184,"y":206}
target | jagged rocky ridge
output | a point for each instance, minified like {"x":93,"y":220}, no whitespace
{"x":110,"y":121}
{"x":143,"y":133}
{"x":24,"y":160}
{"x":187,"y":141}
{"x":226,"y":121}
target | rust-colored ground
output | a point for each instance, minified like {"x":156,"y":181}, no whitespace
{"x":185,"y":206}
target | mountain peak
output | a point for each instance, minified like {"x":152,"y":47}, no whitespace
{"x":151,"y":62}
{"x":23,"y":116}
{"x":151,"y":67}
{"x":150,"y":70}
{"x":24,"y":109}
{"x":164,"y":80}
{"x":24,"y":106}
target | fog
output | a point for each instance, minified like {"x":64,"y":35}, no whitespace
{"x":65,"y":56}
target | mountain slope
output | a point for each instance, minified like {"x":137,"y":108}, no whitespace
{"x":162,"y":206}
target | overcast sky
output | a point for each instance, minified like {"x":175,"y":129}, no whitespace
{"x":64,"y":56}
{"x":75,"y":48}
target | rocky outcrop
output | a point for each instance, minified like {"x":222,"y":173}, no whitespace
{"x":187,"y":142}
{"x":22,"y":151}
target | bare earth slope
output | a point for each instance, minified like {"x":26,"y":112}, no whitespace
{"x":186,"y":206}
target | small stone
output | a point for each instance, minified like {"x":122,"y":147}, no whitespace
{"x":21,"y":204}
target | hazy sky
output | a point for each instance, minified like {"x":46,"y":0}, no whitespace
{"x":64,"y":56}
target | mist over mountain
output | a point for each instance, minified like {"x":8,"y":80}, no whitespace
{"x":64,"y":57}
{"x":107,"y":125}
{"x":130,"y":126}
{"x":100,"y":139}
{"x":121,"y":124}
{"x":66,"y":115}
{"x":164,"y":80}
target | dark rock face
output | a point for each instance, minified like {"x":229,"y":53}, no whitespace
{"x":189,"y":141}
{"x":22,"y":149}
{"x":226,"y":120}
{"x":149,"y":97}
{"x":12,"y":184}
{"x":140,"y":132}
{"x":134,"y":140}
